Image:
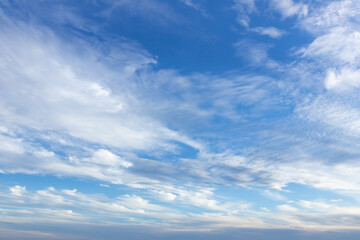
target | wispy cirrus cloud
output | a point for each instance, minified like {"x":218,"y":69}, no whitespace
{"x":268,"y":31}
{"x":66,"y":81}
{"x":196,"y":6}
{"x":288,"y":8}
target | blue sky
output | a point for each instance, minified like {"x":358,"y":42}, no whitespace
{"x":197,"y":119}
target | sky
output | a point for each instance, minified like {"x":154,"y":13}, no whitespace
{"x":182,"y":119}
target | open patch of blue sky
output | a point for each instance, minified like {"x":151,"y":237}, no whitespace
{"x":179,"y":119}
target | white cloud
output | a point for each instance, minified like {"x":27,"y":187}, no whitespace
{"x":335,"y":27}
{"x":3,"y":129}
{"x":70,"y":92}
{"x":165,"y":196}
{"x":68,"y":192}
{"x":288,"y":8}
{"x":11,"y":145}
{"x":342,"y":13}
{"x":78,"y":97}
{"x":66,"y":205}
{"x":320,"y":215}
{"x":195,"y":6}
{"x":105,"y":157}
{"x":17,"y":190}
{"x":286,"y":208}
{"x":335,"y":114}
{"x":339,"y":176}
{"x":254,"y":52}
{"x":72,"y":206}
{"x":44,"y":154}
{"x":243,"y":9}
{"x":316,"y":205}
{"x":342,"y":80}
{"x":338,"y":46}
{"x":87,"y":101}
{"x":85,"y":209}
{"x":269,"y":31}
{"x":274,"y":195}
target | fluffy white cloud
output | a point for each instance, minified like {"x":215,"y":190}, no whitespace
{"x":165,"y":196}
{"x":342,"y":80}
{"x":11,"y":144}
{"x":17,"y":190}
{"x":105,"y":157}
